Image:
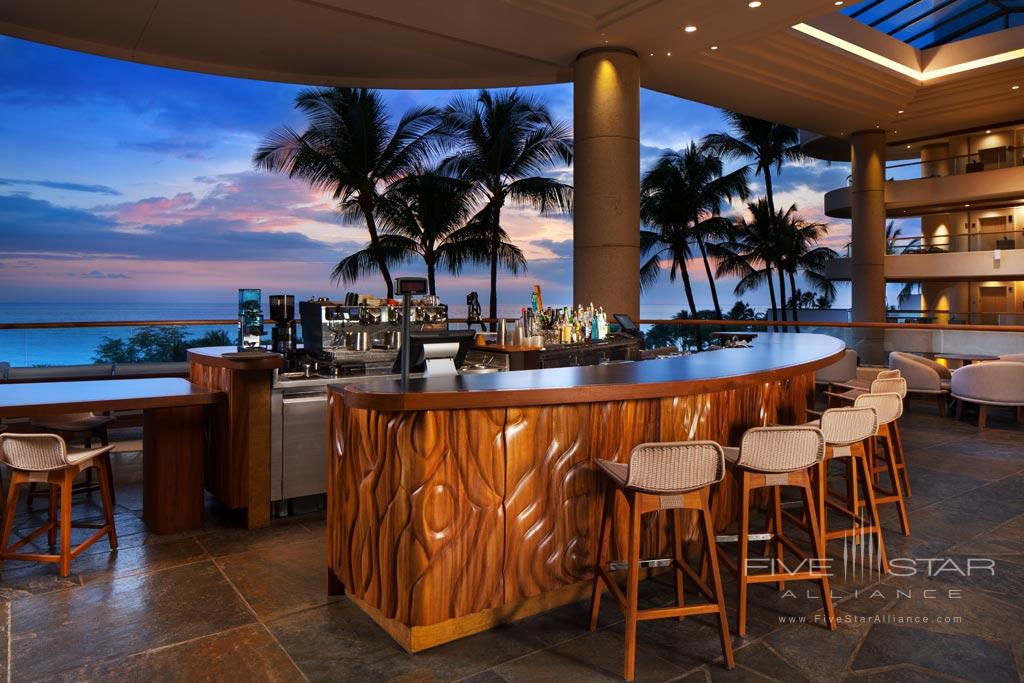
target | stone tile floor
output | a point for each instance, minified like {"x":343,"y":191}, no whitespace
{"x":228,"y":604}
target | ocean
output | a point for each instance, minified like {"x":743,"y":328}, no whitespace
{"x":26,"y":348}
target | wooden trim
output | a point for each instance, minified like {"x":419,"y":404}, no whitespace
{"x":474,"y":391}
{"x":214,"y":356}
{"x":856,"y":325}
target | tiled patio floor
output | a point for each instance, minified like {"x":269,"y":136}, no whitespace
{"x":234,"y":605}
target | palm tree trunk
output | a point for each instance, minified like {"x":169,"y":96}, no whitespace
{"x":783,"y":303}
{"x":371,"y":227}
{"x":792,"y":285}
{"x":689,"y":290}
{"x":771,"y":295}
{"x":430,"y":276}
{"x":493,"y":302}
{"x":769,"y":191}
{"x":711,"y":278}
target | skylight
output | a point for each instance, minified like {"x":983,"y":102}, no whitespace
{"x":929,"y":23}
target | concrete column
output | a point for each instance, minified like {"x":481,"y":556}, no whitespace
{"x":867,"y":195}
{"x":606,"y":176}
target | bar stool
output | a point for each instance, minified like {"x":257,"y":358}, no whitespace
{"x":885,"y":385}
{"x":672,"y":477}
{"x":865,"y":384}
{"x":73,"y":427}
{"x":889,"y":408}
{"x":773,"y":457}
{"x":45,"y":458}
{"x":847,"y":432}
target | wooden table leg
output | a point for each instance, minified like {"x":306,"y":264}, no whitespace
{"x":172,"y":469}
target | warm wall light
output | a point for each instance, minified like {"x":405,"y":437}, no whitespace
{"x":997,"y":256}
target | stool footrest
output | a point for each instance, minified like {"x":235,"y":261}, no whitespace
{"x":619,"y":565}
{"x":735,"y":538}
{"x":670,"y":612}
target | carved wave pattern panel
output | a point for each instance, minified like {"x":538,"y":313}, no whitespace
{"x":434,"y":515}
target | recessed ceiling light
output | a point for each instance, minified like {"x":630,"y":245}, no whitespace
{"x":967,"y":205}
{"x":908,"y":146}
{"x":690,"y":29}
{"x":714,"y":47}
{"x":668,"y":54}
{"x":652,"y":54}
{"x":987,"y":132}
{"x":837,"y":3}
{"x":754,"y":4}
{"x":1016,"y":87}
{"x":900,"y":111}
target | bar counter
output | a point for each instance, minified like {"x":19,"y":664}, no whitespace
{"x":458,"y":503}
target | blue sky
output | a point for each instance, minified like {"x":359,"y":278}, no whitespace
{"x":125,"y":182}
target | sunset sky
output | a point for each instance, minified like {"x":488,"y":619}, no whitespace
{"x":126,"y":183}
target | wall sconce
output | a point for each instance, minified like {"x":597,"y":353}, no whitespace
{"x":997,"y":256}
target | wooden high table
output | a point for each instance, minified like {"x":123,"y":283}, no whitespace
{"x":458,"y":503}
{"x":173,"y":444}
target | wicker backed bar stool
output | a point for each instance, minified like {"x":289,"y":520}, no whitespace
{"x":671,"y":477}
{"x":773,"y":457}
{"x":889,"y":408}
{"x":45,"y":458}
{"x":73,"y":427}
{"x":890,"y":385}
{"x":847,"y":433}
{"x":864,"y":384}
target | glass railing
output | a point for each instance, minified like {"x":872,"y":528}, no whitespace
{"x":988,"y":240}
{"x":982,"y":340}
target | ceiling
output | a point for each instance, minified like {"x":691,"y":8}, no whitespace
{"x":761,"y":66}
{"x":930,"y":23}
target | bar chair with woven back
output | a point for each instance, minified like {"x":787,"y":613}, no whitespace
{"x":884,"y":385}
{"x":848,"y":433}
{"x":772,"y":458}
{"x":45,"y":458}
{"x":672,"y":477}
{"x":73,"y":428}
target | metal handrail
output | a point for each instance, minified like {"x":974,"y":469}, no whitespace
{"x":145,"y":323}
{"x":1009,"y":148}
{"x":816,"y":323}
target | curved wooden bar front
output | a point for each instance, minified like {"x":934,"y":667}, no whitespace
{"x":455,"y":504}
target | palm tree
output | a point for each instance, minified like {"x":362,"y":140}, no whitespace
{"x":684,"y":192}
{"x":752,"y":253}
{"x":892,"y":246}
{"x":428,"y":215}
{"x":800,"y":253}
{"x":767,"y":145}
{"x":351,"y":150}
{"x":506,"y":141}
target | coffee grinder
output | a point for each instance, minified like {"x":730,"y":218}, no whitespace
{"x":282,"y":312}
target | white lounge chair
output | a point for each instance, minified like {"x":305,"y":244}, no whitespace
{"x":924,"y":376}
{"x":996,"y":383}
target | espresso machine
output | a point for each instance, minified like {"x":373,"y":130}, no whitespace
{"x":342,"y":330}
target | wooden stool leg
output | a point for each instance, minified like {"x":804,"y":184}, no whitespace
{"x":602,"y":542}
{"x":982,"y":416}
{"x":822,"y":487}
{"x":105,"y":441}
{"x":9,"y":512}
{"x":826,"y":595}
{"x":103,"y":465}
{"x":894,"y":475}
{"x":744,"y":533}
{"x":711,"y":553}
{"x":51,"y":535}
{"x":776,"y":512}
{"x":678,"y":556}
{"x":30,"y":496}
{"x":632,"y":584}
{"x":869,"y":494}
{"x":65,"y":523}
{"x":901,"y":456}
